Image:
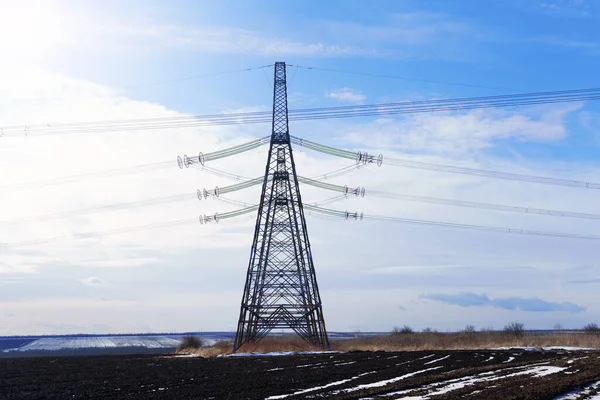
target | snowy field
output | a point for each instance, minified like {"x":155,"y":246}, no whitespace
{"x":56,"y":343}
{"x":418,"y":375}
{"x":141,"y":341}
{"x":51,"y":344}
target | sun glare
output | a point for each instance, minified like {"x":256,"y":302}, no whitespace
{"x":28,"y":30}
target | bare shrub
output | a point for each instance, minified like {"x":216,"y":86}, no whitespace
{"x":189,"y":343}
{"x":592,"y":329}
{"x":515,"y":329}
{"x":402,"y":331}
{"x":469,"y":329}
{"x":427,"y":330}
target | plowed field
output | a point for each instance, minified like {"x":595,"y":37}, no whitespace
{"x":489,"y":374}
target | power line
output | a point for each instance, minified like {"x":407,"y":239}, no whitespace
{"x":339,"y":71}
{"x":246,"y":182}
{"x":172,"y":80}
{"x":216,"y":218}
{"x":491,"y":174}
{"x":315,"y":208}
{"x":361,"y":216}
{"x":187,"y":78}
{"x":109,"y":207}
{"x":361,"y":157}
{"x":486,"y":206}
{"x":311,"y":181}
{"x":141,"y":167}
{"x":100,"y":233}
{"x":382,"y":109}
{"x":99,"y":174}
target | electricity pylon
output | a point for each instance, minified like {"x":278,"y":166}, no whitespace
{"x":281,"y":286}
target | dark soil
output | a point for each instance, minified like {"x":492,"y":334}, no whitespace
{"x":474,"y":374}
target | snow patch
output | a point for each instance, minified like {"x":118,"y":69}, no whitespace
{"x":303,"y":391}
{"x":581,"y":393}
{"x":344,"y":363}
{"x":383,"y":383}
{"x":436,"y":360}
{"x":440,"y":388}
{"x":575,"y":359}
{"x":281,"y":396}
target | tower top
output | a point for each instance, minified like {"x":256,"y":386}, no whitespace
{"x":280,"y":128}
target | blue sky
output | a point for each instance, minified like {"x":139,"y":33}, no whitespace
{"x":514,"y":45}
{"x":87,"y":61}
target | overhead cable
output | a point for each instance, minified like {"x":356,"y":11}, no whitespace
{"x":100,"y":233}
{"x":203,"y":219}
{"x":367,"y":158}
{"x":490,"y":174}
{"x":99,"y":174}
{"x":109,"y":207}
{"x":153,"y":83}
{"x":382,"y":109}
{"x":486,"y":206}
{"x":149,"y":166}
{"x":374,"y":75}
{"x":361,"y":216}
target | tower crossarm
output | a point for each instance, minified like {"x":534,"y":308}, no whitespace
{"x":358,"y":191}
{"x":360,"y":157}
{"x":201,"y":158}
{"x":217,"y":191}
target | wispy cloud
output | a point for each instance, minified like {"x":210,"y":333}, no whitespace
{"x":588,"y":47}
{"x":399,"y":35}
{"x":124,"y":263}
{"x":409,"y":28}
{"x":346,"y":95}
{"x":226,"y":40}
{"x":510,"y":303}
{"x":569,"y":8}
{"x":16,"y":268}
{"x":93,"y":281}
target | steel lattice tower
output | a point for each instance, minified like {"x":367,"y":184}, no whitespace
{"x":281,"y":286}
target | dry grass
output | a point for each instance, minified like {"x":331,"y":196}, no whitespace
{"x":269,"y":344}
{"x":465,"y":341}
{"x":409,"y":342}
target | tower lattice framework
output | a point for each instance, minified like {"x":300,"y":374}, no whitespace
{"x":281,"y":288}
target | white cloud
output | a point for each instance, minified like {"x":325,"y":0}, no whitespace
{"x":93,"y":281}
{"x":458,"y":134}
{"x":346,"y":95}
{"x":351,"y":257}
